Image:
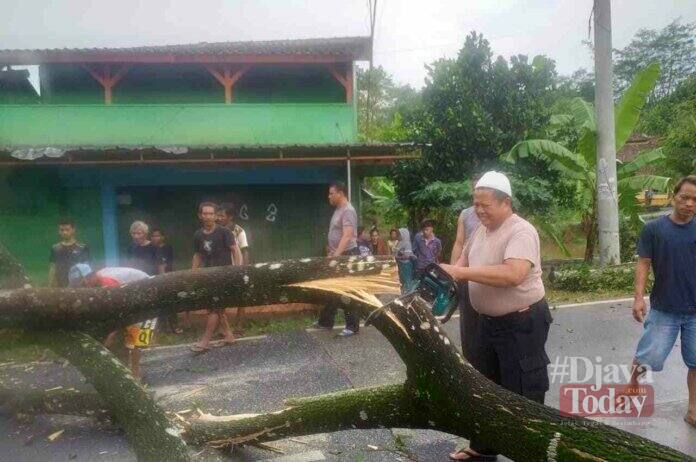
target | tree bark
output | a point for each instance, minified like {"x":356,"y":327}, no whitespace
{"x":103,"y":309}
{"x":149,"y":431}
{"x":379,"y":407}
{"x":443,"y":391}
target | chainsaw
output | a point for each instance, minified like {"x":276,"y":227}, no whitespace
{"x":438,"y":289}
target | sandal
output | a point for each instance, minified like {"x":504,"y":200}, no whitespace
{"x":199,"y":349}
{"x":222,"y":343}
{"x":471,"y":456}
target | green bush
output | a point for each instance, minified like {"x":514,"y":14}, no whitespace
{"x":584,"y":278}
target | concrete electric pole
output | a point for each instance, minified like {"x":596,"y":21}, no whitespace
{"x":607,"y":195}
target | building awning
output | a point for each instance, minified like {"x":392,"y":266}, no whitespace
{"x":333,"y":49}
{"x":357,"y":153}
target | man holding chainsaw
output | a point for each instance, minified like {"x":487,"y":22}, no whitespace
{"x":502,"y":265}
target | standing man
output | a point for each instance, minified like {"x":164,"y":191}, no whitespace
{"x":141,"y":254}
{"x":426,"y":247}
{"x":502,"y":265}
{"x":165,"y":264}
{"x":467,"y":223}
{"x":225,"y":217}
{"x":342,"y":240}
{"x":668,"y":245}
{"x":213,"y":245}
{"x":65,"y":254}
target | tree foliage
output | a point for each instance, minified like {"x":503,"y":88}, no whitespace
{"x":673,"y":47}
{"x":382,"y":104}
{"x":579,"y":165}
{"x":473,"y":108}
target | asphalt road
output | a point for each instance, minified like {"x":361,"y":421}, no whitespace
{"x":257,"y":374}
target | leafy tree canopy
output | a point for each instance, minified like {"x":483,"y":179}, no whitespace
{"x":673,"y":47}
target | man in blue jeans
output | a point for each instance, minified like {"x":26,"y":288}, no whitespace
{"x":668,"y":244}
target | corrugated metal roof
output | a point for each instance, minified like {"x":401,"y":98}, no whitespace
{"x":361,"y":149}
{"x":354,"y":47}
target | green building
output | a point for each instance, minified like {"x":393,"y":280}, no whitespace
{"x":116,"y":135}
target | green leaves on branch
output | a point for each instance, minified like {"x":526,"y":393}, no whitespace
{"x":628,"y":110}
{"x":579,"y":165}
{"x":565,"y":161}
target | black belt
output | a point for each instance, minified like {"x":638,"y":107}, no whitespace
{"x":515,"y":314}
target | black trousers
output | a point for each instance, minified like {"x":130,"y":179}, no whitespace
{"x":468,"y":322}
{"x":510,"y":351}
{"x":327,"y":316}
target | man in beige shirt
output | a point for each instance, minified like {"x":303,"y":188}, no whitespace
{"x":502,"y":265}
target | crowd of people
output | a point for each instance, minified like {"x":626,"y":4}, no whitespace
{"x":496,"y":259}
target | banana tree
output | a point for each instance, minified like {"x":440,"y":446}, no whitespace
{"x":580,"y":165}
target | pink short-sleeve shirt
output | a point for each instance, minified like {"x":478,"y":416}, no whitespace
{"x":515,"y":238}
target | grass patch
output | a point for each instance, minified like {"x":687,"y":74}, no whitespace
{"x":559,"y":296}
{"x":252,"y":327}
{"x":14,"y":349}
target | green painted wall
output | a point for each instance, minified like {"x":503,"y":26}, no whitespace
{"x":284,"y":221}
{"x":31,"y":202}
{"x":182,"y":124}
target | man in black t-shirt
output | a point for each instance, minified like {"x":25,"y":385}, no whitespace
{"x":214,"y":245}
{"x":165,"y":252}
{"x":64,"y":255}
{"x":141,"y":254}
{"x":165,"y":264}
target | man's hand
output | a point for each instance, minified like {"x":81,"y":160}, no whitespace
{"x":639,"y":309}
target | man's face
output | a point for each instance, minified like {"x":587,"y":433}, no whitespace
{"x":490,"y":210}
{"x":66,"y":232}
{"x":207,"y":215}
{"x":685,"y":200}
{"x":334,"y":196}
{"x":157,"y":238}
{"x":222,"y":218}
{"x":393,"y":235}
{"x":139,"y":236}
{"x":428,"y":232}
{"x":374,"y":235}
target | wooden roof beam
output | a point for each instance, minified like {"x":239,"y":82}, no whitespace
{"x":227,"y":78}
{"x":344,"y":77}
{"x":104,"y":76}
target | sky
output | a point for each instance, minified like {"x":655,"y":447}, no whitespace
{"x":409,"y":33}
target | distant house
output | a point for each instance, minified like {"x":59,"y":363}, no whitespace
{"x":636,"y":144}
{"x":119,"y":134}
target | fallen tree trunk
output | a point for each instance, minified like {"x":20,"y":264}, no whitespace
{"x":153,"y":436}
{"x":104,"y":309}
{"x":442,"y":390}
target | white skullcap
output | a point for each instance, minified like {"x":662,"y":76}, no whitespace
{"x":495,"y":180}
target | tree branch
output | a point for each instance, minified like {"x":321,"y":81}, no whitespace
{"x":149,"y":431}
{"x":104,"y":309}
{"x":380,"y":407}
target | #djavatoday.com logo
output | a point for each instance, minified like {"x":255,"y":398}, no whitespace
{"x":593,"y":388}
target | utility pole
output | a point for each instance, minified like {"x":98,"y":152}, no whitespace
{"x":372,"y":6}
{"x":607,"y":195}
